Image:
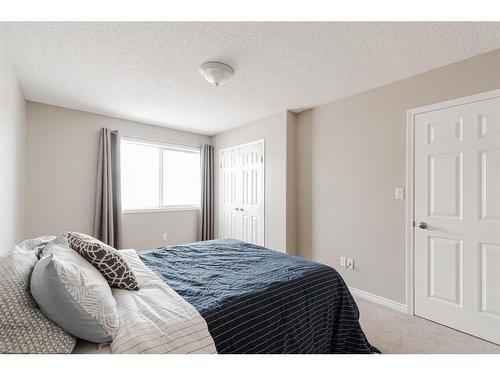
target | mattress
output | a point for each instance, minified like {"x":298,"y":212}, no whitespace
{"x":257,"y":300}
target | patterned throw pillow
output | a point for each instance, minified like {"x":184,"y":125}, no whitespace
{"x":23,"y":327}
{"x":105,"y":258}
{"x":71,"y":292}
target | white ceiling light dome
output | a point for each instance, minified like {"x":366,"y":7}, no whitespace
{"x":216,"y":72}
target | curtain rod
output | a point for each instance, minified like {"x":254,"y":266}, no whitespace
{"x":132,"y":137}
{"x":149,"y":140}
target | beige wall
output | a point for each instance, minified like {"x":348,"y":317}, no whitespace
{"x":351,"y":156}
{"x":62,"y":147}
{"x":273,"y":130}
{"x":12,"y":155}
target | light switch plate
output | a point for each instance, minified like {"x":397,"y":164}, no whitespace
{"x":399,"y":193}
{"x":343,"y":261}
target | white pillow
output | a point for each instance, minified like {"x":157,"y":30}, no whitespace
{"x":72,"y":292}
{"x":34,"y":244}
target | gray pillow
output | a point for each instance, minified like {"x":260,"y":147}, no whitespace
{"x":71,"y":292}
{"x":105,"y":258}
{"x":23,"y":327}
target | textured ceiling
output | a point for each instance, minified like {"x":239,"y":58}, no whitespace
{"x":149,"y":71}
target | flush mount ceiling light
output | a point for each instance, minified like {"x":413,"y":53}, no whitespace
{"x":216,"y":72}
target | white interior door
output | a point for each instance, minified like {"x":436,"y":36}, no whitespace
{"x":241,"y":193}
{"x":457,"y":215}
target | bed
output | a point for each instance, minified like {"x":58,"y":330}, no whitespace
{"x":256,"y":300}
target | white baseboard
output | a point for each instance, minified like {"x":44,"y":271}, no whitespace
{"x":401,"y":307}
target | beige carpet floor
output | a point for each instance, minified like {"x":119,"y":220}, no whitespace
{"x":393,"y":332}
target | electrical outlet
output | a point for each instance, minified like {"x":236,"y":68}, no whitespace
{"x":399,"y":193}
{"x":342,"y":262}
{"x":349,"y":264}
{"x":164,"y":236}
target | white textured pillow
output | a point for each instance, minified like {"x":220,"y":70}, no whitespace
{"x":34,"y":244}
{"x":71,"y":292}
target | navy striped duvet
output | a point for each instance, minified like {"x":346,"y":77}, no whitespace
{"x":256,"y":300}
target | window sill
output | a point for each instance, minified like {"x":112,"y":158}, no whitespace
{"x":162,"y":209}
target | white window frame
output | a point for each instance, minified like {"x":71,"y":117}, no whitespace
{"x":162,"y":146}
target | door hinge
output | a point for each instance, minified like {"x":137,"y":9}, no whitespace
{"x":414,"y":223}
{"x":262,"y":159}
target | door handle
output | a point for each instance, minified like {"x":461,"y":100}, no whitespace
{"x":423,"y":225}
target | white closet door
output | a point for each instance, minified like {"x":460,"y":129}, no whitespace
{"x":241,"y":193}
{"x":252,"y":193}
{"x":457,"y":213}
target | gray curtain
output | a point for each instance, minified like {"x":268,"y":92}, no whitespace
{"x":206,"y":225}
{"x":107,"y":220}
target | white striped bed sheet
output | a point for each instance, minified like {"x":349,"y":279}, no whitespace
{"x":155,"y":319}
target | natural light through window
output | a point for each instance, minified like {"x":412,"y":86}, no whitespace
{"x":157,"y":176}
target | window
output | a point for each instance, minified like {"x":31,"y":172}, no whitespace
{"x":158,"y":176}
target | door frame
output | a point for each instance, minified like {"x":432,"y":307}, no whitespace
{"x":410,"y":183}
{"x":259,"y":141}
